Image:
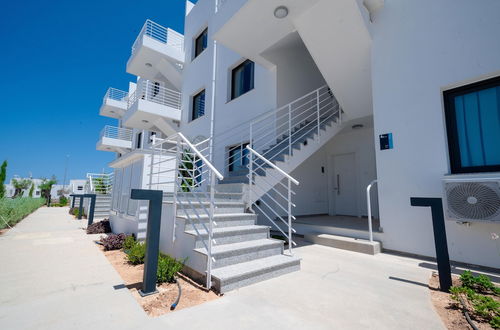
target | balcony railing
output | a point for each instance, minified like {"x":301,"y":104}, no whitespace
{"x":151,"y":91}
{"x":161,"y":34}
{"x":118,"y":133}
{"x":115,"y":94}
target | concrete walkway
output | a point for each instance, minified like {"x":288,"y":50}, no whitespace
{"x":53,"y":277}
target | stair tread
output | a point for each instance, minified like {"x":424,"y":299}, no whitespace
{"x":224,"y":248}
{"x":223,"y":215}
{"x":223,"y":230}
{"x":253,"y":266}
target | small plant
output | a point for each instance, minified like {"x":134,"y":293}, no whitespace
{"x":473,"y":290}
{"x":136,"y":254}
{"x":129,"y":242}
{"x":167,"y":268}
{"x":101,"y":227}
{"x":113,"y":241}
{"x":63,"y":200}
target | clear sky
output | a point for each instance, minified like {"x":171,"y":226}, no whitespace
{"x":57,"y":59}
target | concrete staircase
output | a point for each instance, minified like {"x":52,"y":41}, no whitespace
{"x":102,"y":206}
{"x":243,"y":252}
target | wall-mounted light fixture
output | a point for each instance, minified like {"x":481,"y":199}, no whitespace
{"x":281,"y":12}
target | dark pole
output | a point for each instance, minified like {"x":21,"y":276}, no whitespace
{"x":91,"y":208}
{"x":442,"y":256}
{"x":155,"y":198}
{"x":73,"y":197}
{"x":80,"y":207}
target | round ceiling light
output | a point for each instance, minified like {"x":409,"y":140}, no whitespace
{"x":281,"y":12}
{"x":145,"y":121}
{"x":357,"y":126}
{"x":149,"y":65}
{"x":112,"y":111}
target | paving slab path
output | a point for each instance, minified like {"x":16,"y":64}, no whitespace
{"x":52,"y":276}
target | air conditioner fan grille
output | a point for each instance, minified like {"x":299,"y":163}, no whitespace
{"x":473,"y":200}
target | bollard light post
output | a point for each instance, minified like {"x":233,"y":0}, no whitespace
{"x":155,"y":198}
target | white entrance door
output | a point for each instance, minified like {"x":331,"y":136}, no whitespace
{"x":343,"y":185}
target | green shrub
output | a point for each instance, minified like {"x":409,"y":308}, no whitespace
{"x":14,"y":210}
{"x":167,"y":268}
{"x":483,"y":307}
{"x":135,"y":255}
{"x":129,"y":242}
{"x":76,"y":210}
{"x":63,"y":200}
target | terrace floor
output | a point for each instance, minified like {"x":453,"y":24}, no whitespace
{"x":54,"y":277}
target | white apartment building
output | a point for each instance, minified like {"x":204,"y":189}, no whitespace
{"x":327,"y":94}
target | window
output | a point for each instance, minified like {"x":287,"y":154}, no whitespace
{"x":138,"y":141}
{"x":198,"y":108}
{"x":152,"y":135}
{"x":238,"y":158}
{"x":79,"y":188}
{"x":242,"y":79}
{"x":200,"y":43}
{"x":473,"y":126}
{"x":156,"y":88}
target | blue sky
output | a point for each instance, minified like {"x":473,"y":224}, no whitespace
{"x":57,"y":59}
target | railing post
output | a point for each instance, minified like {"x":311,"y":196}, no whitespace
{"x":155,"y":199}
{"x":210,"y":228}
{"x":317,"y":110}
{"x":176,"y":178}
{"x":250,"y":176}
{"x":289,"y":217}
{"x":369,"y":206}
{"x":289,"y":131}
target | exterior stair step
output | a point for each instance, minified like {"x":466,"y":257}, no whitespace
{"x":230,"y":254}
{"x":345,"y":243}
{"x":222,"y":220}
{"x":184,"y":207}
{"x":236,"y":276}
{"x":229,"y":235}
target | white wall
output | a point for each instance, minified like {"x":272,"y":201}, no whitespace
{"x":198,"y":75}
{"x":312,"y":195}
{"x":420,"y":48}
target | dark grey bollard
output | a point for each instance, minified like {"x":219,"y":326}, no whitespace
{"x":155,"y":198}
{"x":80,"y":207}
{"x":442,"y":256}
{"x":90,"y":216}
{"x":73,"y":198}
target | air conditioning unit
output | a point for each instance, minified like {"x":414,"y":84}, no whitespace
{"x":469,"y":199}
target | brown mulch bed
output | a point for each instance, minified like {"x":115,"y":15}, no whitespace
{"x":158,"y":304}
{"x":451,"y":315}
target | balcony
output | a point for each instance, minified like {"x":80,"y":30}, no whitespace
{"x":157,"y":49}
{"x":114,"y":103}
{"x":115,"y":139}
{"x":152,"y":105}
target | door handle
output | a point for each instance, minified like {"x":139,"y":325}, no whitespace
{"x":338,"y":185}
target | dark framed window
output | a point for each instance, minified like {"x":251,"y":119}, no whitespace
{"x":238,"y":158}
{"x":242,"y":79}
{"x":156,"y":88}
{"x":198,"y":108}
{"x":138,"y":142}
{"x":473,"y":126}
{"x":200,"y":43}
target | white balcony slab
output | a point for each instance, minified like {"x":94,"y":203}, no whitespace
{"x":113,"y":108}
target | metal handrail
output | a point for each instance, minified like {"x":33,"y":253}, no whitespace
{"x":369,"y":205}
{"x":273,"y":166}
{"x":151,"y":91}
{"x":116,"y":94}
{"x":159,"y":33}
{"x":252,"y":183}
{"x":100,"y":182}
{"x":164,"y":165}
{"x":118,"y":133}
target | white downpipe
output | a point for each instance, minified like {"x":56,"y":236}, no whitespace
{"x":368,"y":200}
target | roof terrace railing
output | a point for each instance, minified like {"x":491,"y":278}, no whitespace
{"x":118,"y":133}
{"x":161,"y":34}
{"x":115,"y":94}
{"x":152,"y":91}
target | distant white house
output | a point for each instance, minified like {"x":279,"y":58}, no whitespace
{"x":74,"y":187}
{"x":292,"y":109}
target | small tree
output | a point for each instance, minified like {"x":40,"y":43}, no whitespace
{"x":46,"y":187}
{"x":31,"y":190}
{"x":3,"y":176}
{"x":20,"y":185}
